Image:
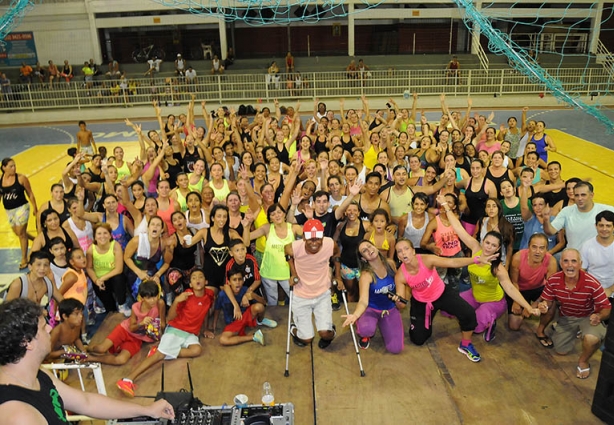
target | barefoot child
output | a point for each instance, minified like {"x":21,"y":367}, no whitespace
{"x":250,"y":315}
{"x":85,"y":140}
{"x":66,"y":337}
{"x":144,"y":325}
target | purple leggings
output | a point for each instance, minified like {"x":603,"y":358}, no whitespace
{"x":390,"y":326}
{"x":485,"y":313}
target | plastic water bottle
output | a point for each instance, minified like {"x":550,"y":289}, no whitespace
{"x":268,"y":399}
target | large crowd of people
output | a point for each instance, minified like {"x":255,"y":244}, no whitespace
{"x":456,"y":215}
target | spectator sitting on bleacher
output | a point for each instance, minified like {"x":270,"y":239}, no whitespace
{"x":67,"y":73}
{"x":230,"y":58}
{"x":289,"y":63}
{"x":113,"y":69}
{"x":39,"y":71}
{"x":352,"y":70}
{"x":25,"y":73}
{"x":88,"y":74}
{"x":154,"y":66}
{"x":216,"y":65}
{"x":180,"y":65}
{"x":453,"y":68}
{"x":190,"y":75}
{"x":53,"y":73}
{"x":94,"y":67}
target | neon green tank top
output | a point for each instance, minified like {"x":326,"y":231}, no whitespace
{"x":485,"y":286}
{"x":103,"y":263}
{"x":274,"y":264}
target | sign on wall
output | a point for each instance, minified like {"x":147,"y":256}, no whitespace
{"x":18,"y":47}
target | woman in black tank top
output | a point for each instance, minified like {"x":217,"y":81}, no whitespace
{"x":13,"y":189}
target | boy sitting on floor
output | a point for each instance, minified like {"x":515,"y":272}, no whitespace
{"x":248,"y":316}
{"x":185,"y":318}
{"x":144,"y":325}
{"x":66,"y":337}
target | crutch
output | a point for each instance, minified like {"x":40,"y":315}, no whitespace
{"x":347,"y":311}
{"x":287,"y":372}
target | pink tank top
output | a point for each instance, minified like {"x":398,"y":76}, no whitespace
{"x":446,"y":239}
{"x":139,"y":315}
{"x":529,"y":277}
{"x":426,"y":286}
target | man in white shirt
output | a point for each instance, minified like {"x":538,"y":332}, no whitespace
{"x":190,"y":75}
{"x":578,"y":220}
{"x":598,"y":253}
{"x":154,"y":66}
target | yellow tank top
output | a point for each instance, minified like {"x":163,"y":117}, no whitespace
{"x":122,"y":172}
{"x":485,"y":286}
{"x":220,"y":194}
{"x":370,"y":158}
{"x":261,"y":219}
{"x":198,"y":187}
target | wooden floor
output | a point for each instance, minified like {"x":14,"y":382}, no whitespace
{"x":517,"y":381}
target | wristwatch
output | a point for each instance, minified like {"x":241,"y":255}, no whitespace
{"x":295,"y":280}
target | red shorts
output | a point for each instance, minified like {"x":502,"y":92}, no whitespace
{"x":122,"y":340}
{"x":238,"y":326}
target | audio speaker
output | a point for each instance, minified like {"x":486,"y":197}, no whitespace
{"x":603,"y":400}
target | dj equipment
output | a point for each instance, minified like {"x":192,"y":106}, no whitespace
{"x":189,"y":410}
{"x":280,"y":414}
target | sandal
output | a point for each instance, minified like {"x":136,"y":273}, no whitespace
{"x":580,"y":372}
{"x":23,"y":265}
{"x":545,"y":341}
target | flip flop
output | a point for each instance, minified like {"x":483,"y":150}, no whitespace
{"x":581,"y":371}
{"x":545,"y":341}
{"x":23,"y":265}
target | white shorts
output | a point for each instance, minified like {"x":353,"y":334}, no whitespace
{"x":173,"y":340}
{"x":89,"y":150}
{"x":320,"y":307}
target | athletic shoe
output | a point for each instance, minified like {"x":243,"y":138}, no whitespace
{"x":153,"y":350}
{"x":364,"y":342}
{"x":470,"y":352}
{"x":126,"y":386}
{"x":489,"y":335}
{"x":84,"y":339}
{"x":258,"y":337}
{"x":269,"y":323}
{"x":334,"y":299}
{"x":295,"y":339}
{"x":323,"y":343}
{"x":125,"y":310}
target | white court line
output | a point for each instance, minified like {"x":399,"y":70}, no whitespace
{"x":70,"y":136}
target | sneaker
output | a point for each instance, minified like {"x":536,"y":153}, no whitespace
{"x":364,"y":342}
{"x":269,"y":323}
{"x":125,"y":310}
{"x":153,"y":350}
{"x":258,"y":337}
{"x":334,"y":299}
{"x":84,"y":339}
{"x":295,"y":338}
{"x":323,"y":343}
{"x":126,"y":386}
{"x":470,"y":352}
{"x":489,"y":335}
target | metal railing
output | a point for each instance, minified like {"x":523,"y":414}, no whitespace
{"x":479,"y":51}
{"x":545,"y":42}
{"x":251,"y":88}
{"x":605,"y":58}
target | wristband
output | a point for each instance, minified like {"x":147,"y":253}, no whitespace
{"x":476,"y":260}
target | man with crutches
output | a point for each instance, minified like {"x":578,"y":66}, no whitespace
{"x":311,"y":282}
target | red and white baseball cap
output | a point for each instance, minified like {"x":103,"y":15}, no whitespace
{"x":313,"y":229}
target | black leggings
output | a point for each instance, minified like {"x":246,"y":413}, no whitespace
{"x":451,"y":303}
{"x":114,"y":293}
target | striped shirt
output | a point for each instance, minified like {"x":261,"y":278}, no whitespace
{"x":586,"y":298}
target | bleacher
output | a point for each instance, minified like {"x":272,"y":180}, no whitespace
{"x":336,"y":63}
